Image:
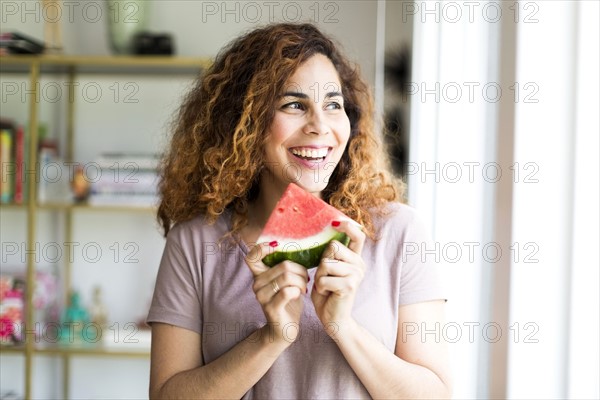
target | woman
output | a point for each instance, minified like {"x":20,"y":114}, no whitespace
{"x":226,"y":326}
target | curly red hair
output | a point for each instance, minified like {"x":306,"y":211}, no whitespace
{"x":216,"y":150}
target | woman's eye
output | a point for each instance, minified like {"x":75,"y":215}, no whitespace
{"x":294,"y":105}
{"x":334,"y":105}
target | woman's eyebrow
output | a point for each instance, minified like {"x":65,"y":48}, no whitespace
{"x":333,"y":94}
{"x":301,"y":95}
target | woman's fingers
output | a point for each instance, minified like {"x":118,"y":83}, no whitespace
{"x":330,"y":268}
{"x":268,"y":282}
{"x":254,"y":258}
{"x":278,"y":290}
{"x":354,"y":232}
{"x":342,"y":263}
{"x":274,"y":281}
{"x":336,"y":251}
{"x":339,"y":285}
{"x":339,"y":275}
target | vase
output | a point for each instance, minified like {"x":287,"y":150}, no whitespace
{"x":125,"y":19}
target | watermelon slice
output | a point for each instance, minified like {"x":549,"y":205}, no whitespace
{"x":301,"y":224}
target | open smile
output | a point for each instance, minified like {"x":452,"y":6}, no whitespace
{"x":310,"y":155}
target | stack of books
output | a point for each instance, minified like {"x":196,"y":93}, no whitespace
{"x":123,"y":179}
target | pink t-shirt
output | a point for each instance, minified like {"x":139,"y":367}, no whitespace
{"x":204,"y":285}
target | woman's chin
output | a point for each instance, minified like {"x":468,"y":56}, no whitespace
{"x":311,"y":186}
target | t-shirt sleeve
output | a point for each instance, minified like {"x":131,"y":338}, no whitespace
{"x":177,"y":293}
{"x":420,"y":277}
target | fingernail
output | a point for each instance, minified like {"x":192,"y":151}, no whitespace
{"x":335,"y":223}
{"x":308,"y":279}
{"x":274,"y":243}
{"x":306,"y":290}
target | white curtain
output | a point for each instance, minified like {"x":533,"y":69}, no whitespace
{"x":504,"y":167}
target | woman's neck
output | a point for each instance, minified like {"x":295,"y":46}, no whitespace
{"x":260,"y":209}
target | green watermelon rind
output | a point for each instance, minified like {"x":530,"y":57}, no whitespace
{"x":308,"y":258}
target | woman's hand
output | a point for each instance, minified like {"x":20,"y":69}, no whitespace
{"x":337,"y":279}
{"x":279,"y":290}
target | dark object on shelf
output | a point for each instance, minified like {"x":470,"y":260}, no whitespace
{"x":17,"y":43}
{"x":147,"y":43}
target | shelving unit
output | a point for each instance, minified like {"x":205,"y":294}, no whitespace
{"x":35,"y":67}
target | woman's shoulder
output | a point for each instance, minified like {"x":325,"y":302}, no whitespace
{"x":396,"y":219}
{"x":200,"y":227}
{"x":395,"y":213}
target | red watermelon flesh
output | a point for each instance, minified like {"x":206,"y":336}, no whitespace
{"x":301,"y":224}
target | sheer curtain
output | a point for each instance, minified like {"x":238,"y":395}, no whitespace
{"x":504,"y":167}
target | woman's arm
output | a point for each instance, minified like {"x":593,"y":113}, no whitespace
{"x":419,"y":366}
{"x":178,"y":371}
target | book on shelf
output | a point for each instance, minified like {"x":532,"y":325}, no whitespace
{"x":123,"y":199}
{"x":13,"y":158}
{"x":20,"y":152}
{"x":124,"y":160}
{"x":128,"y":179}
{"x":6,"y":163}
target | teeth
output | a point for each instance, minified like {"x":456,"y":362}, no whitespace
{"x":310,"y":153}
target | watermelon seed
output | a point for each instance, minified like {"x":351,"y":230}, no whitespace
{"x":295,"y":209}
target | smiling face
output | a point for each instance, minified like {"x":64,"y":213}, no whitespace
{"x":309,"y":132}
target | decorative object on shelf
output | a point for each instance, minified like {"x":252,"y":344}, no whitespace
{"x":98,"y":310}
{"x":125,"y":19}
{"x":148,"y":43}
{"x":80,"y":185}
{"x":45,"y":296}
{"x":18,"y":43}
{"x":48,"y":163}
{"x":12,"y":301}
{"x":52,"y":28}
{"x":76,"y":319}
{"x":53,"y":183}
{"x":12,"y":304}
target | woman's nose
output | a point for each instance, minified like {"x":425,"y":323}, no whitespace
{"x":316,"y":125}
